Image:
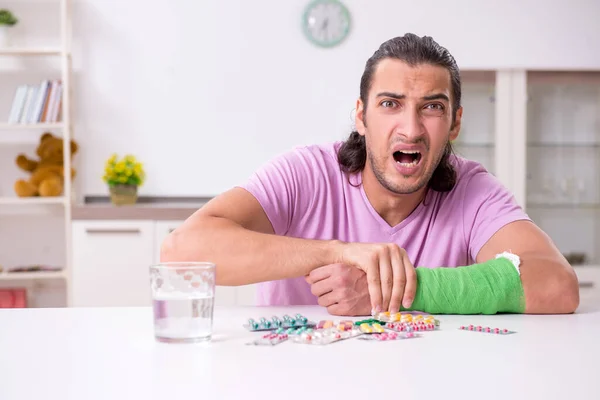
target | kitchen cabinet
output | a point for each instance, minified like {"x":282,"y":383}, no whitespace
{"x":476,"y":139}
{"x":563,"y":160}
{"x":539,"y":133}
{"x":111,"y":259}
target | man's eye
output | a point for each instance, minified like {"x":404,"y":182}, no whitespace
{"x":435,"y":107}
{"x":387,"y":103}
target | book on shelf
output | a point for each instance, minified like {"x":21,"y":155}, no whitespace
{"x":34,"y":104}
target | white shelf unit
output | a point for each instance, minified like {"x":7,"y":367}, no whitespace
{"x":40,"y":51}
{"x":64,"y":130}
{"x":539,"y":133}
{"x":476,"y":139}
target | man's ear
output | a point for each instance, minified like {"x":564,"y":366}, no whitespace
{"x":359,"y":118}
{"x":456,"y":127}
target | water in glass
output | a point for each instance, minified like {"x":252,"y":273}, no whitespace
{"x":183,"y":302}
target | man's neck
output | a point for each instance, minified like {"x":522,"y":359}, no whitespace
{"x":393,"y":208}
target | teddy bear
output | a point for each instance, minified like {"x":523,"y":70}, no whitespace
{"x":47,"y":177}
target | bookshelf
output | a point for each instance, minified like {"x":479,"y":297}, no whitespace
{"x":51,"y":111}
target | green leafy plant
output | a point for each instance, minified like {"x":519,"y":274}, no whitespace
{"x":7,"y":18}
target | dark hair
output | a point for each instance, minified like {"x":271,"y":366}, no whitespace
{"x":413,"y":50}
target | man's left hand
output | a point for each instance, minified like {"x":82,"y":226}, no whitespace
{"x":343,"y":289}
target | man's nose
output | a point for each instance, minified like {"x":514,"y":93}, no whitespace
{"x":411,"y":127}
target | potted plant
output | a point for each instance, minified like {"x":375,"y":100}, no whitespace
{"x":7,"y":20}
{"x":123,"y":177}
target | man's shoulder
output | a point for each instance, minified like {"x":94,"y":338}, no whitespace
{"x":313,"y":159}
{"x":475,"y":184}
{"x":472,"y":175}
{"x":327,"y":152}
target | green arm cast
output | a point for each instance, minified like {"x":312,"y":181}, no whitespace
{"x":486,"y":288}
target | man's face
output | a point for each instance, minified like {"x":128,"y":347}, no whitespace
{"x":407,"y":123}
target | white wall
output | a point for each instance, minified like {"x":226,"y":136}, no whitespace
{"x":206,"y":91}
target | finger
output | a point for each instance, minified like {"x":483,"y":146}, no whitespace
{"x":322,"y":287}
{"x":387,"y":279}
{"x":328,"y":299}
{"x":320,"y":273}
{"x":399,"y":280}
{"x":411,"y":282}
{"x":374,"y":284}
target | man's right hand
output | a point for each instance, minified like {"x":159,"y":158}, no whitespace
{"x":391,"y":277}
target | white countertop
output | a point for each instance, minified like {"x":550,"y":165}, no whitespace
{"x":110,"y":353}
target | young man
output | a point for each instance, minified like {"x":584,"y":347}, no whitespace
{"x":377,"y":222}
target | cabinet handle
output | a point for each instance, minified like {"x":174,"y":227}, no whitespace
{"x":586,"y":284}
{"x":112,"y":231}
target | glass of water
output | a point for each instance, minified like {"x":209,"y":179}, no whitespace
{"x":183,"y":296}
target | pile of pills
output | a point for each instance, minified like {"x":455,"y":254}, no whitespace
{"x":264,"y":324}
{"x":381,"y":327}
{"x":486,"y":329}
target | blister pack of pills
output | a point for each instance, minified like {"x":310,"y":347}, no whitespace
{"x":410,"y":326}
{"x":341,"y":326}
{"x":486,"y":329}
{"x":406,"y":317}
{"x":371,"y":328}
{"x":270,"y":339}
{"x":293,"y":331}
{"x":387,"y":336}
{"x":330,"y":332}
{"x":275,"y":322}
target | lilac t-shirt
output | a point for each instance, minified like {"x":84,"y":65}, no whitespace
{"x":305,"y":194}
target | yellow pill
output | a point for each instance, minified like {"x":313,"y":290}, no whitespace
{"x":378,"y":328}
{"x":327,"y":324}
{"x":366,"y":328}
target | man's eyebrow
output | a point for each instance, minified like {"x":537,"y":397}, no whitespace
{"x":398,"y":96}
{"x":392,"y":95}
{"x":437,"y":96}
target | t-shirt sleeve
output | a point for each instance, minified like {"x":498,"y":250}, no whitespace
{"x":278,"y":186}
{"x":488,"y":206}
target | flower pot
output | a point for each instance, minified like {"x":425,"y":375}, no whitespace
{"x":123,"y":194}
{"x":4,"y":36}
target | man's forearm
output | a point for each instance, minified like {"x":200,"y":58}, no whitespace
{"x":537,"y":285}
{"x":244,"y":256}
{"x":490,"y":287}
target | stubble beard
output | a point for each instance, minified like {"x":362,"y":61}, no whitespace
{"x":378,"y":168}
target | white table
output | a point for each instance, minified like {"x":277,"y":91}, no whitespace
{"x":110,"y":353}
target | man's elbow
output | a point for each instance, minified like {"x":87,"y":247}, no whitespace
{"x":171,"y":249}
{"x":566,"y":292}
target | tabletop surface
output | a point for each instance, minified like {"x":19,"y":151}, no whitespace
{"x":111,"y":353}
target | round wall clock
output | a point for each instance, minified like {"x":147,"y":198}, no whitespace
{"x":326,"y":23}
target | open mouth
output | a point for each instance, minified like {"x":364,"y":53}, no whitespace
{"x":407,"y":158}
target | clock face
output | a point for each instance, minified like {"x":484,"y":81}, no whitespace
{"x":326,"y":23}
